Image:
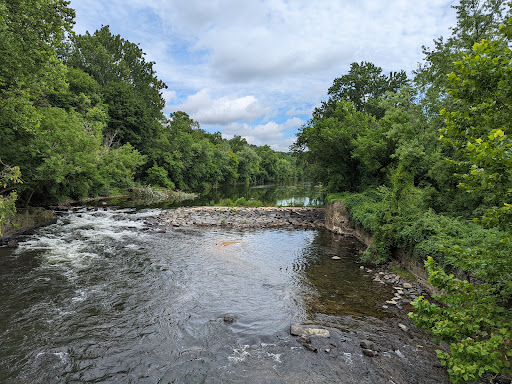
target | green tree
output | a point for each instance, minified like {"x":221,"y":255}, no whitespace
{"x":474,"y":320}
{"x":129,"y":83}
{"x":363,"y":85}
{"x":327,"y":145}
{"x":476,"y":20}
{"x":248,"y":164}
{"x":30,"y":31}
{"x":478,"y":126}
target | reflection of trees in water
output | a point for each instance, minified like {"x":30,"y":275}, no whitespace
{"x":267,"y":193}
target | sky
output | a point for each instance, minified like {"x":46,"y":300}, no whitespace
{"x":258,"y":68}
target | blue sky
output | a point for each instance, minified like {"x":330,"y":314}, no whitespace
{"x":257,"y":68}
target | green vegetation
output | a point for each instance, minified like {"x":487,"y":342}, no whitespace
{"x":240,"y":202}
{"x":81,"y":116}
{"x":8,"y":177}
{"x":403,"y":273}
{"x":425,"y":165}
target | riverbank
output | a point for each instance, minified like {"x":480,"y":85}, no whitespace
{"x":25,"y":220}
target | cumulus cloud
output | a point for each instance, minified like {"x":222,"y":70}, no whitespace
{"x":273,"y":134}
{"x":249,"y":62}
{"x":168,"y":95}
{"x":223,"y":110}
{"x":296,"y":111}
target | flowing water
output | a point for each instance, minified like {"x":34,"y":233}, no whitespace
{"x":100,"y":298}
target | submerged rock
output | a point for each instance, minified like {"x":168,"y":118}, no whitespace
{"x":369,"y":353}
{"x":310,"y":347}
{"x":367,"y":344}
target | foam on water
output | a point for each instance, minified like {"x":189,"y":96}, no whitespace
{"x":81,"y":236}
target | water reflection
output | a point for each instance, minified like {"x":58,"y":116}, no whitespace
{"x":282,"y":193}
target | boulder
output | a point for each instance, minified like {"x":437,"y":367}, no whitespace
{"x":296,"y":330}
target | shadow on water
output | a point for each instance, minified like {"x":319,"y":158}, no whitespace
{"x":98,"y":297}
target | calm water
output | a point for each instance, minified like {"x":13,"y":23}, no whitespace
{"x":98,"y":298}
{"x":281,"y":193}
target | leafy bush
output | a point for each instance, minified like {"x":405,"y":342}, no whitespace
{"x":452,"y":242}
{"x":473,"y":320}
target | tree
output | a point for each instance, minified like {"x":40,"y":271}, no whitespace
{"x":478,"y":126}
{"x":476,"y":20}
{"x":248,"y":164}
{"x":129,"y":83}
{"x":30,"y":31}
{"x":327,"y":145}
{"x":363,"y":86}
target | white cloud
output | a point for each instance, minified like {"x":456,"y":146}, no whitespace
{"x":168,"y":95}
{"x":296,"y":111}
{"x":255,"y":61}
{"x":207,"y":110}
{"x":274,"y":134}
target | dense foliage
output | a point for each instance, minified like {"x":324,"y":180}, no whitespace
{"x":426,"y":166}
{"x":81,"y":116}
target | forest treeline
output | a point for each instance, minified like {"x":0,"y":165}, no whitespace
{"x":425,"y":165}
{"x":81,"y":116}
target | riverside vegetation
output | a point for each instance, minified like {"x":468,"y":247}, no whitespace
{"x":81,"y":116}
{"x":425,"y":165}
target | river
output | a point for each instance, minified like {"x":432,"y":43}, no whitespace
{"x":99,"y":297}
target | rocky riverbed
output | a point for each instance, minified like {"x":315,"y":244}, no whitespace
{"x":240,"y":217}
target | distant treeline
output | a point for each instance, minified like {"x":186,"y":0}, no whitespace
{"x":81,"y":115}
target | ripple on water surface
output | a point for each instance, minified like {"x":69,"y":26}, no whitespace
{"x":98,"y":297}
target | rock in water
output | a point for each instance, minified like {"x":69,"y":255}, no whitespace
{"x":317,"y":332}
{"x":367,"y":344}
{"x":369,"y":353}
{"x":229,"y":318}
{"x":296,"y":330}
{"x":12,"y":244}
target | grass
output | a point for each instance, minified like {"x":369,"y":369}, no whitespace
{"x":403,"y":273}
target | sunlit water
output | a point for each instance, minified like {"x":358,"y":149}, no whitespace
{"x":99,"y":298}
